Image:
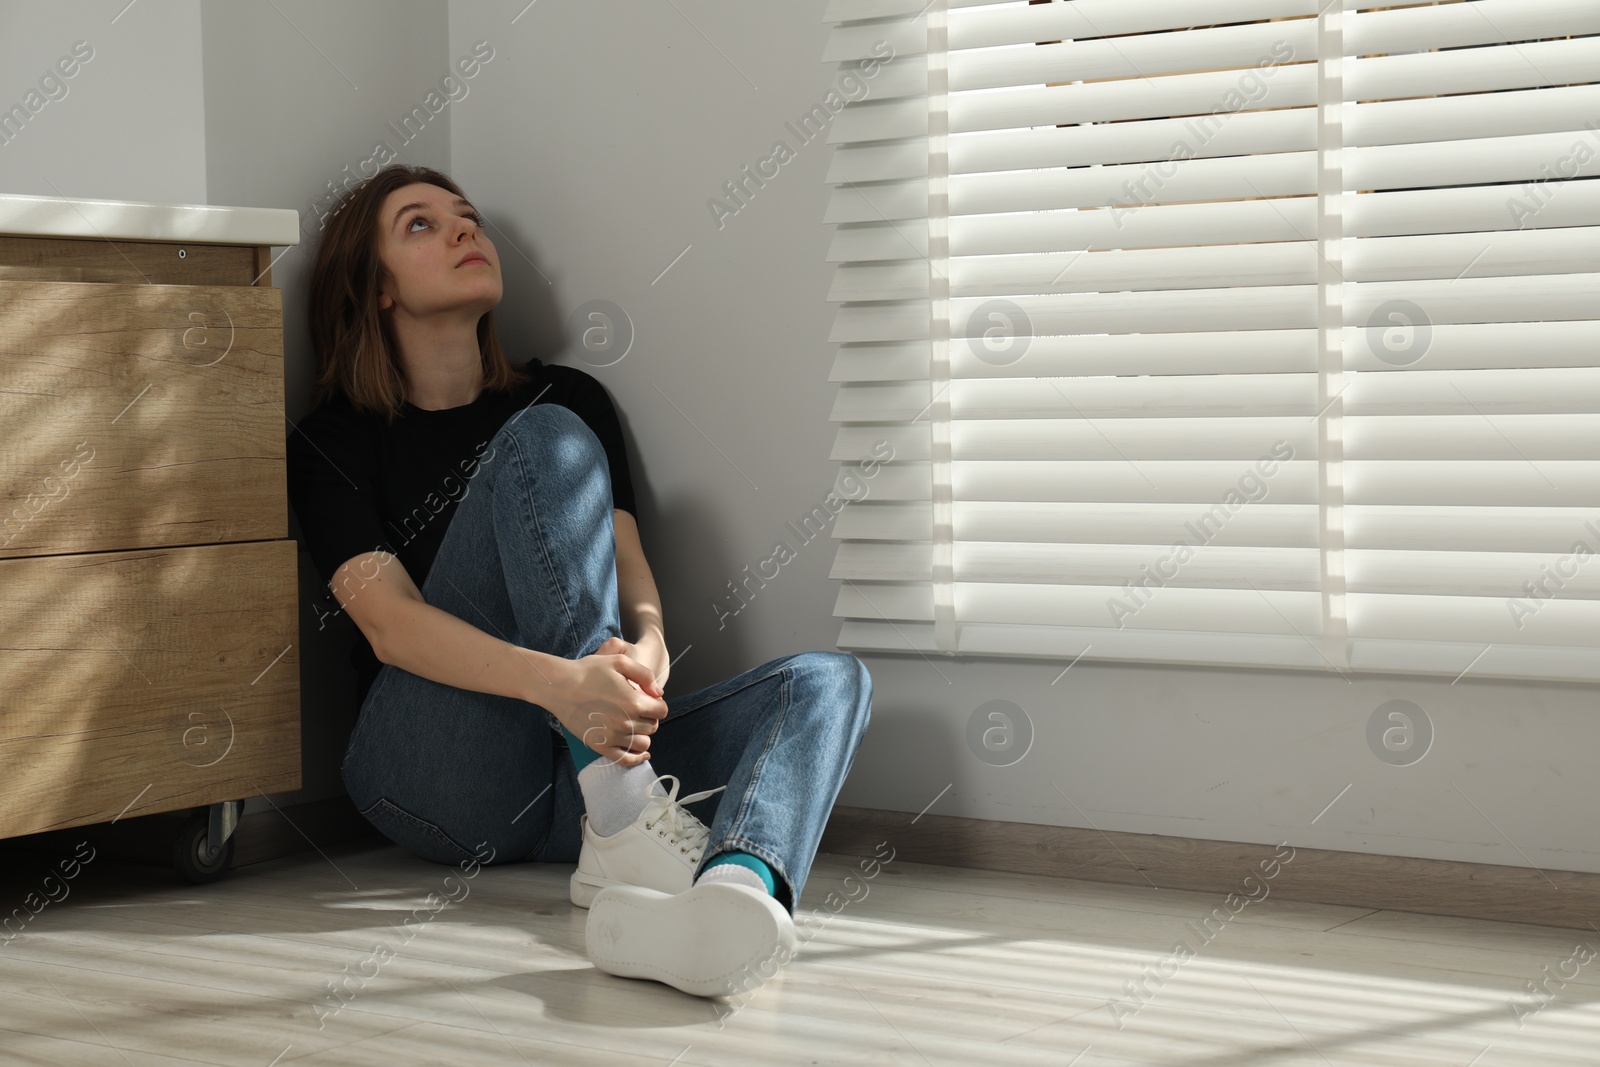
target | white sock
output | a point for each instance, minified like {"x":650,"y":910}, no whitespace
{"x":733,"y":872}
{"x":614,"y":795}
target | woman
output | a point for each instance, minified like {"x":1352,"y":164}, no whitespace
{"x":512,"y":704}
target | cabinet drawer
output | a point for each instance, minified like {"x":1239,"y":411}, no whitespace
{"x":75,"y":259}
{"x":146,"y":681}
{"x":136,"y":416}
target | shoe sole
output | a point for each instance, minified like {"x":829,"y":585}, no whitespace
{"x":712,"y":940}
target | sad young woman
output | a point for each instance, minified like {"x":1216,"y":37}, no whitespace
{"x":475,"y":520}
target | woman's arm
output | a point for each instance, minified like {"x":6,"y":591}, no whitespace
{"x":601,"y":689}
{"x":638,"y":601}
{"x":404,"y":630}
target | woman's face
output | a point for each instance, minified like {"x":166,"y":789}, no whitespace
{"x":435,"y":257}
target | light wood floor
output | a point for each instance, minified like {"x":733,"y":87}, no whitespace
{"x":934,"y":965}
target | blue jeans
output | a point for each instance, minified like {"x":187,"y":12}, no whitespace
{"x":530,"y":557}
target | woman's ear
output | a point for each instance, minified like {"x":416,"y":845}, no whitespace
{"x":385,"y":282}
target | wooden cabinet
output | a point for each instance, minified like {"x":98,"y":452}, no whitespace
{"x":148,"y":594}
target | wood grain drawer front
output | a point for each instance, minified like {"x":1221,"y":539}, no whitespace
{"x":77,"y":259}
{"x":141,"y":682}
{"x":136,"y":416}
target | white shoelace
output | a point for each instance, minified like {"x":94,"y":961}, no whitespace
{"x":681,"y":828}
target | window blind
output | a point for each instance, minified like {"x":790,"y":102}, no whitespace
{"x":1273,"y":341}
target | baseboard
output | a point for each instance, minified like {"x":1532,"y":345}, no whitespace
{"x":1568,"y":899}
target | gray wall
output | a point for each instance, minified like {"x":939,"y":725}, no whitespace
{"x":129,"y":125}
{"x":593,"y":140}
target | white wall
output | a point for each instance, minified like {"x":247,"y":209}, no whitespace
{"x":596,"y":141}
{"x":128,"y":124}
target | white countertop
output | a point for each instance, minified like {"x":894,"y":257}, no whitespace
{"x":134,"y":220}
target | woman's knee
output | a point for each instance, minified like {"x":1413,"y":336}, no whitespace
{"x":550,"y":446}
{"x":836,"y":682}
{"x":554,"y":435}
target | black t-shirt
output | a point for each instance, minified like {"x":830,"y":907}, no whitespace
{"x":359,"y":484}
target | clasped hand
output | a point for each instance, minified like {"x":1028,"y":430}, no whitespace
{"x":615,"y":698}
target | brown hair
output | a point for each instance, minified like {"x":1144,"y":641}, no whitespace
{"x":353,"y":339}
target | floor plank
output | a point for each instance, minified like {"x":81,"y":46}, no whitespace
{"x":927,"y":965}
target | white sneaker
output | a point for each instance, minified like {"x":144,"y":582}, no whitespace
{"x":660,"y":850}
{"x":713,"y":939}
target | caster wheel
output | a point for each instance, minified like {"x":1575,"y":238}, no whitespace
{"x":190,"y":852}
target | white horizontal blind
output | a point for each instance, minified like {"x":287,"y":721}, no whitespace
{"x":1253,"y":357}
{"x":1473,"y":292}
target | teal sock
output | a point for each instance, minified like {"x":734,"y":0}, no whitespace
{"x":582,"y":754}
{"x":754,"y":863}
